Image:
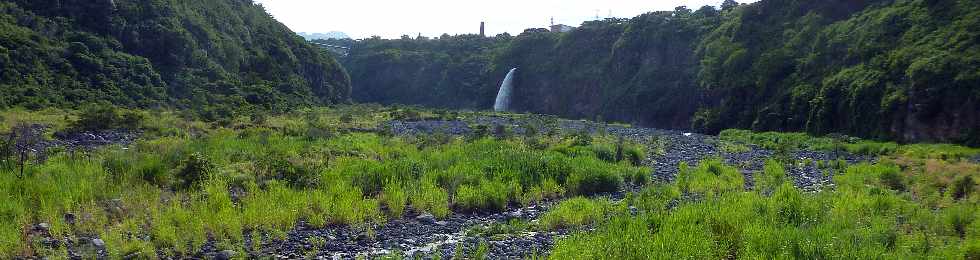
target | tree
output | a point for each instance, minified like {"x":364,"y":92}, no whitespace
{"x":729,"y":5}
{"x":682,"y":11}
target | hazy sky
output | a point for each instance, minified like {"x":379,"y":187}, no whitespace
{"x":393,"y":18}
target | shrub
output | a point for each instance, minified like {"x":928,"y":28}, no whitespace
{"x":487,"y":196}
{"x":295,"y":173}
{"x":892,"y":179}
{"x":106,"y":117}
{"x":636,"y":176}
{"x":656,"y":198}
{"x":712,"y":177}
{"x":963,"y":186}
{"x":502,"y":132}
{"x":958,"y":218}
{"x":480,"y":131}
{"x":772,"y":177}
{"x":582,"y":138}
{"x":577,"y":212}
{"x":346,"y":118}
{"x":551,"y":190}
{"x":7,"y":152}
{"x":154,"y":170}
{"x":972,"y":250}
{"x":394,"y":197}
{"x":407,"y":114}
{"x":195,"y":169}
{"x":432,"y":199}
{"x":588,"y":182}
{"x":788,"y":204}
{"x":604,"y":152}
{"x":635,"y":154}
{"x":872,"y":148}
{"x":468,"y":198}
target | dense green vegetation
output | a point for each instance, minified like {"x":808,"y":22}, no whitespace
{"x":901,"y":208}
{"x":903,"y":70}
{"x":450,"y":71}
{"x":189,"y":181}
{"x":223,"y":58}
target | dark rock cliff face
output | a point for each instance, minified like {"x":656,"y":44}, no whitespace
{"x":148,"y":53}
{"x":887,"y":69}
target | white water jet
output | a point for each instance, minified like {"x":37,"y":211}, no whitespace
{"x":504,"y":95}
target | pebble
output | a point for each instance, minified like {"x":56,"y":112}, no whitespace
{"x":226,"y":255}
{"x":98,"y":243}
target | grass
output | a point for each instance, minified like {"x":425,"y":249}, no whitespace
{"x":904,"y":208}
{"x":778,"y":141}
{"x":710,"y":178}
{"x":578,"y":212}
{"x":187,"y":182}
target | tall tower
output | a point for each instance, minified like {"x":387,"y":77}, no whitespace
{"x":483,"y":29}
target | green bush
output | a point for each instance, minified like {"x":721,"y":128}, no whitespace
{"x":788,"y":203}
{"x":578,"y":212}
{"x":892,"y":179}
{"x":432,"y":199}
{"x":107,"y":117}
{"x":772,"y":177}
{"x":487,"y":196}
{"x":712,"y":177}
{"x":395,"y":198}
{"x":591,"y":182}
{"x":963,"y":186}
{"x":7,"y":152}
{"x":293,"y":171}
{"x":959,"y":218}
{"x":656,"y":198}
{"x":194,"y":170}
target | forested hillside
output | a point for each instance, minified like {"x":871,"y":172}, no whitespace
{"x":904,"y":70}
{"x":221,"y":57}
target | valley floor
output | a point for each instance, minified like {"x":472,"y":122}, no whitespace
{"x":395,"y":182}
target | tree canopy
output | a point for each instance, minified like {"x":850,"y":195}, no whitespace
{"x":221,"y":57}
{"x":889,"y":69}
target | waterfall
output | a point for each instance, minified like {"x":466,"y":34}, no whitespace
{"x":503,"y":97}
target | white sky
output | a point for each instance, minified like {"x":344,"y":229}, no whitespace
{"x":393,"y":18}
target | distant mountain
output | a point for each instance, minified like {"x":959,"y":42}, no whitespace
{"x":220,"y":56}
{"x":324,"y":36}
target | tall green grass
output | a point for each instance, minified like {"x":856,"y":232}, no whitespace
{"x":187,"y":183}
{"x":794,"y":141}
{"x":866,"y":217}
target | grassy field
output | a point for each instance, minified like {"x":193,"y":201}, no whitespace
{"x":918,"y":201}
{"x":188,"y":181}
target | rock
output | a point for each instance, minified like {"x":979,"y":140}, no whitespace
{"x":98,"y":243}
{"x":225,"y":255}
{"x":70,"y":218}
{"x":426,"y":218}
{"x":42,"y":227}
{"x":514,"y":215}
{"x":441,"y":223}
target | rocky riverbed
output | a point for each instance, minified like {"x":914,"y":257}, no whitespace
{"x":423,"y":236}
{"x":415,"y":236}
{"x":666,"y":149}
